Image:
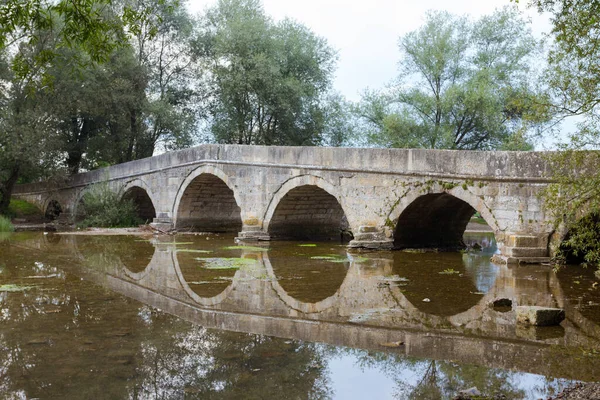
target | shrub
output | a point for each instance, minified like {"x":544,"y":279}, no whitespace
{"x":104,"y":208}
{"x":5,"y":225}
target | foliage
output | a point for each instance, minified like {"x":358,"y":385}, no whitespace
{"x":103,"y":207}
{"x":5,"y":225}
{"x":266,"y":78}
{"x":574,"y":81}
{"x":462,"y":85}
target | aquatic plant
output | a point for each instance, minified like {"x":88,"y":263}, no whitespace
{"x":249,"y":248}
{"x":226,"y":263}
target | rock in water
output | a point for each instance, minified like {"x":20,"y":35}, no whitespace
{"x":540,"y":316}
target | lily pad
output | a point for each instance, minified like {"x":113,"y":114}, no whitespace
{"x":449,"y":271}
{"x":226,"y":263}
{"x":14,"y":288}
{"x":249,"y":248}
{"x":307,"y":245}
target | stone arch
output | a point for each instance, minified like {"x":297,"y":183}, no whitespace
{"x":207,"y":200}
{"x":437,"y":217}
{"x":142,"y":196}
{"x":307,"y":207}
{"x":52,"y":209}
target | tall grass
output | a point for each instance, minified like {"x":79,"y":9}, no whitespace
{"x":5,"y":225}
{"x":102,"y":207}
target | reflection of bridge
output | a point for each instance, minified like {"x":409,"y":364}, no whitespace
{"x":362,"y":312}
{"x":385,"y":198}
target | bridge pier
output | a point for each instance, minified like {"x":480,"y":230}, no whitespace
{"x":526,"y":248}
{"x":372,"y":237}
{"x":163,"y":222}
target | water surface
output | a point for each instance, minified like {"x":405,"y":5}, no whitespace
{"x":201,"y":317}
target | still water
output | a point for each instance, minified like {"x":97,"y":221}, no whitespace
{"x":195,"y":316}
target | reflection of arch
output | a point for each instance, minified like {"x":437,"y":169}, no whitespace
{"x":437,"y":217}
{"x":306,"y":207}
{"x":205,"y":301}
{"x":142,"y":196}
{"x":299,"y":305}
{"x":207,"y":200}
{"x":52,"y":209}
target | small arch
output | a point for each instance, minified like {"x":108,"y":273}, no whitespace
{"x":206,"y":202}
{"x":304,"y":208}
{"x":53,"y":210}
{"x":437,"y":219}
{"x":142,"y":201}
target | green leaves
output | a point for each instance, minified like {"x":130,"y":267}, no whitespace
{"x":267,"y":78}
{"x":462,"y":85}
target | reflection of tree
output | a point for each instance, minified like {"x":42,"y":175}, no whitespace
{"x":205,"y":363}
{"x":421,"y":379}
{"x":68,"y":338}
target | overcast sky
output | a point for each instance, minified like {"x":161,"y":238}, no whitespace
{"x":365,"y":33}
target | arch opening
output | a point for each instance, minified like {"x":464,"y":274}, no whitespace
{"x":309,"y":213}
{"x":208,"y":205}
{"x":436,"y":221}
{"x":53,"y":210}
{"x":144,"y":208}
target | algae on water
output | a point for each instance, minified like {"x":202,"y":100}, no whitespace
{"x":226,"y":263}
{"x":14,"y":288}
{"x":249,"y":248}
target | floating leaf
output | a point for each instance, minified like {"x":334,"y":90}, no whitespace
{"x":249,"y":248}
{"x":14,"y":288}
{"x":307,"y":245}
{"x":226,"y":263}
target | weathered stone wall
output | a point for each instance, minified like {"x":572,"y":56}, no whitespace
{"x":372,"y":186}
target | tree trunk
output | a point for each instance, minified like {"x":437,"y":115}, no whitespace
{"x":6,"y":189}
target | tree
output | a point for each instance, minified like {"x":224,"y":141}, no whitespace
{"x":462,"y":85}
{"x":267,"y":80}
{"x":573,"y":78}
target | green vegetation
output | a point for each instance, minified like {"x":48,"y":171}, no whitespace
{"x":102,"y":207}
{"x":5,"y":225}
{"x":21,"y":208}
{"x":449,"y":271}
{"x":249,"y":248}
{"x":226,"y":263}
{"x":574,"y":84}
{"x":462,"y":85}
{"x":14,"y":288}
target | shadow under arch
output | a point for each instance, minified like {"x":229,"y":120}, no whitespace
{"x":52,"y":209}
{"x":307,"y":207}
{"x":207,"y":201}
{"x":437,"y":217}
{"x":143,"y":198}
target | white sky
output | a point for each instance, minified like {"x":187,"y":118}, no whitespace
{"x":366,"y":33}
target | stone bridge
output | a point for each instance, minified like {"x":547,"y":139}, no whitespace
{"x":381,"y":198}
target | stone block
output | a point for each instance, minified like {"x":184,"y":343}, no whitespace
{"x":540,"y":316}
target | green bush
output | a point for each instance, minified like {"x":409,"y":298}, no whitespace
{"x":104,"y":208}
{"x":5,"y":225}
{"x":581,"y":244}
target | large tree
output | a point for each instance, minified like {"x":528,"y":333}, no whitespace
{"x":573,"y":77}
{"x":462,"y":85}
{"x":267,"y":79}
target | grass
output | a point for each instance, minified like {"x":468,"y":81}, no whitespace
{"x":21,"y":208}
{"x":5,"y":225}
